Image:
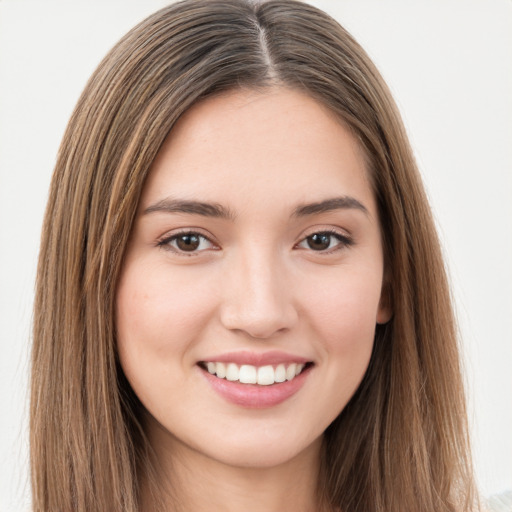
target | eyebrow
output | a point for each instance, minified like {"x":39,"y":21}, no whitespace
{"x":335,"y":203}
{"x":170,"y":205}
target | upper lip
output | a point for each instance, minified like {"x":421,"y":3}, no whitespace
{"x":272,"y":357}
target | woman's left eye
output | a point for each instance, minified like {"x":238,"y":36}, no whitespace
{"x":189,"y":242}
{"x":325,"y":241}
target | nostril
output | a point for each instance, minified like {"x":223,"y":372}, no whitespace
{"x":258,"y":325}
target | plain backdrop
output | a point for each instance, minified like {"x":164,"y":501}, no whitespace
{"x":449,"y":65}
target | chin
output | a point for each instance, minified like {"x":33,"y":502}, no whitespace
{"x":267,"y":452}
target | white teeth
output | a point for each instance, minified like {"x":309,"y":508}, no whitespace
{"x":249,"y":374}
{"x":232,"y":372}
{"x":266,"y":376}
{"x":280,"y":375}
{"x":221,"y":370}
{"x":290,"y":371}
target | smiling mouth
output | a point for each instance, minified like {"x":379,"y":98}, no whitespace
{"x":248,"y":374}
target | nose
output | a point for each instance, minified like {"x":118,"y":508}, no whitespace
{"x":258,"y":297}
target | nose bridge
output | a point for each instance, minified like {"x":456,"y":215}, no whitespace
{"x":258,"y":299}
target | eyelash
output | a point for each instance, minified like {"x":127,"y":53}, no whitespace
{"x":344,"y":241}
{"x":166,"y":242}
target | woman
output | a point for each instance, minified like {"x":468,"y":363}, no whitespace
{"x":240,"y":289}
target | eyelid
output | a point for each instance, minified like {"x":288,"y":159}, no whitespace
{"x":164,"y":242}
{"x":345,"y":240}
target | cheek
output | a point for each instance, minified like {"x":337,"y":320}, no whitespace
{"x":156,"y":307}
{"x":345,"y":310}
{"x":344,"y":321}
{"x":159,"y":318}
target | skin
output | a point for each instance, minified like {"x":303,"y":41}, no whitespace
{"x":255,"y":284}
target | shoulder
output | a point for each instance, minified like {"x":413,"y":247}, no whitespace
{"x":500,"y":502}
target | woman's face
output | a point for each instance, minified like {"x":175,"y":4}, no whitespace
{"x":255,"y":256}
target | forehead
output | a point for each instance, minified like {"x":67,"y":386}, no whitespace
{"x":247,"y":146}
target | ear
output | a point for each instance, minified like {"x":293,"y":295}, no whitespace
{"x":385,"y":311}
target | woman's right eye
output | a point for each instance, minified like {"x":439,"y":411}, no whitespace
{"x":186,"y":243}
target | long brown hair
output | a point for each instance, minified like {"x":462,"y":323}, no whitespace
{"x":401,"y":443}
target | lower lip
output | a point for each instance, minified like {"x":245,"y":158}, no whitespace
{"x":254,"y":396}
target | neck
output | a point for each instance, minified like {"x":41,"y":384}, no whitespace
{"x":201,"y":484}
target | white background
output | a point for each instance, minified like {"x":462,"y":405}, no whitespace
{"x":449,"y":65}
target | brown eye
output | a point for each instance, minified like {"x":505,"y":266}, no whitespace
{"x":189,"y":242}
{"x":319,"y":241}
{"x":325,"y":241}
